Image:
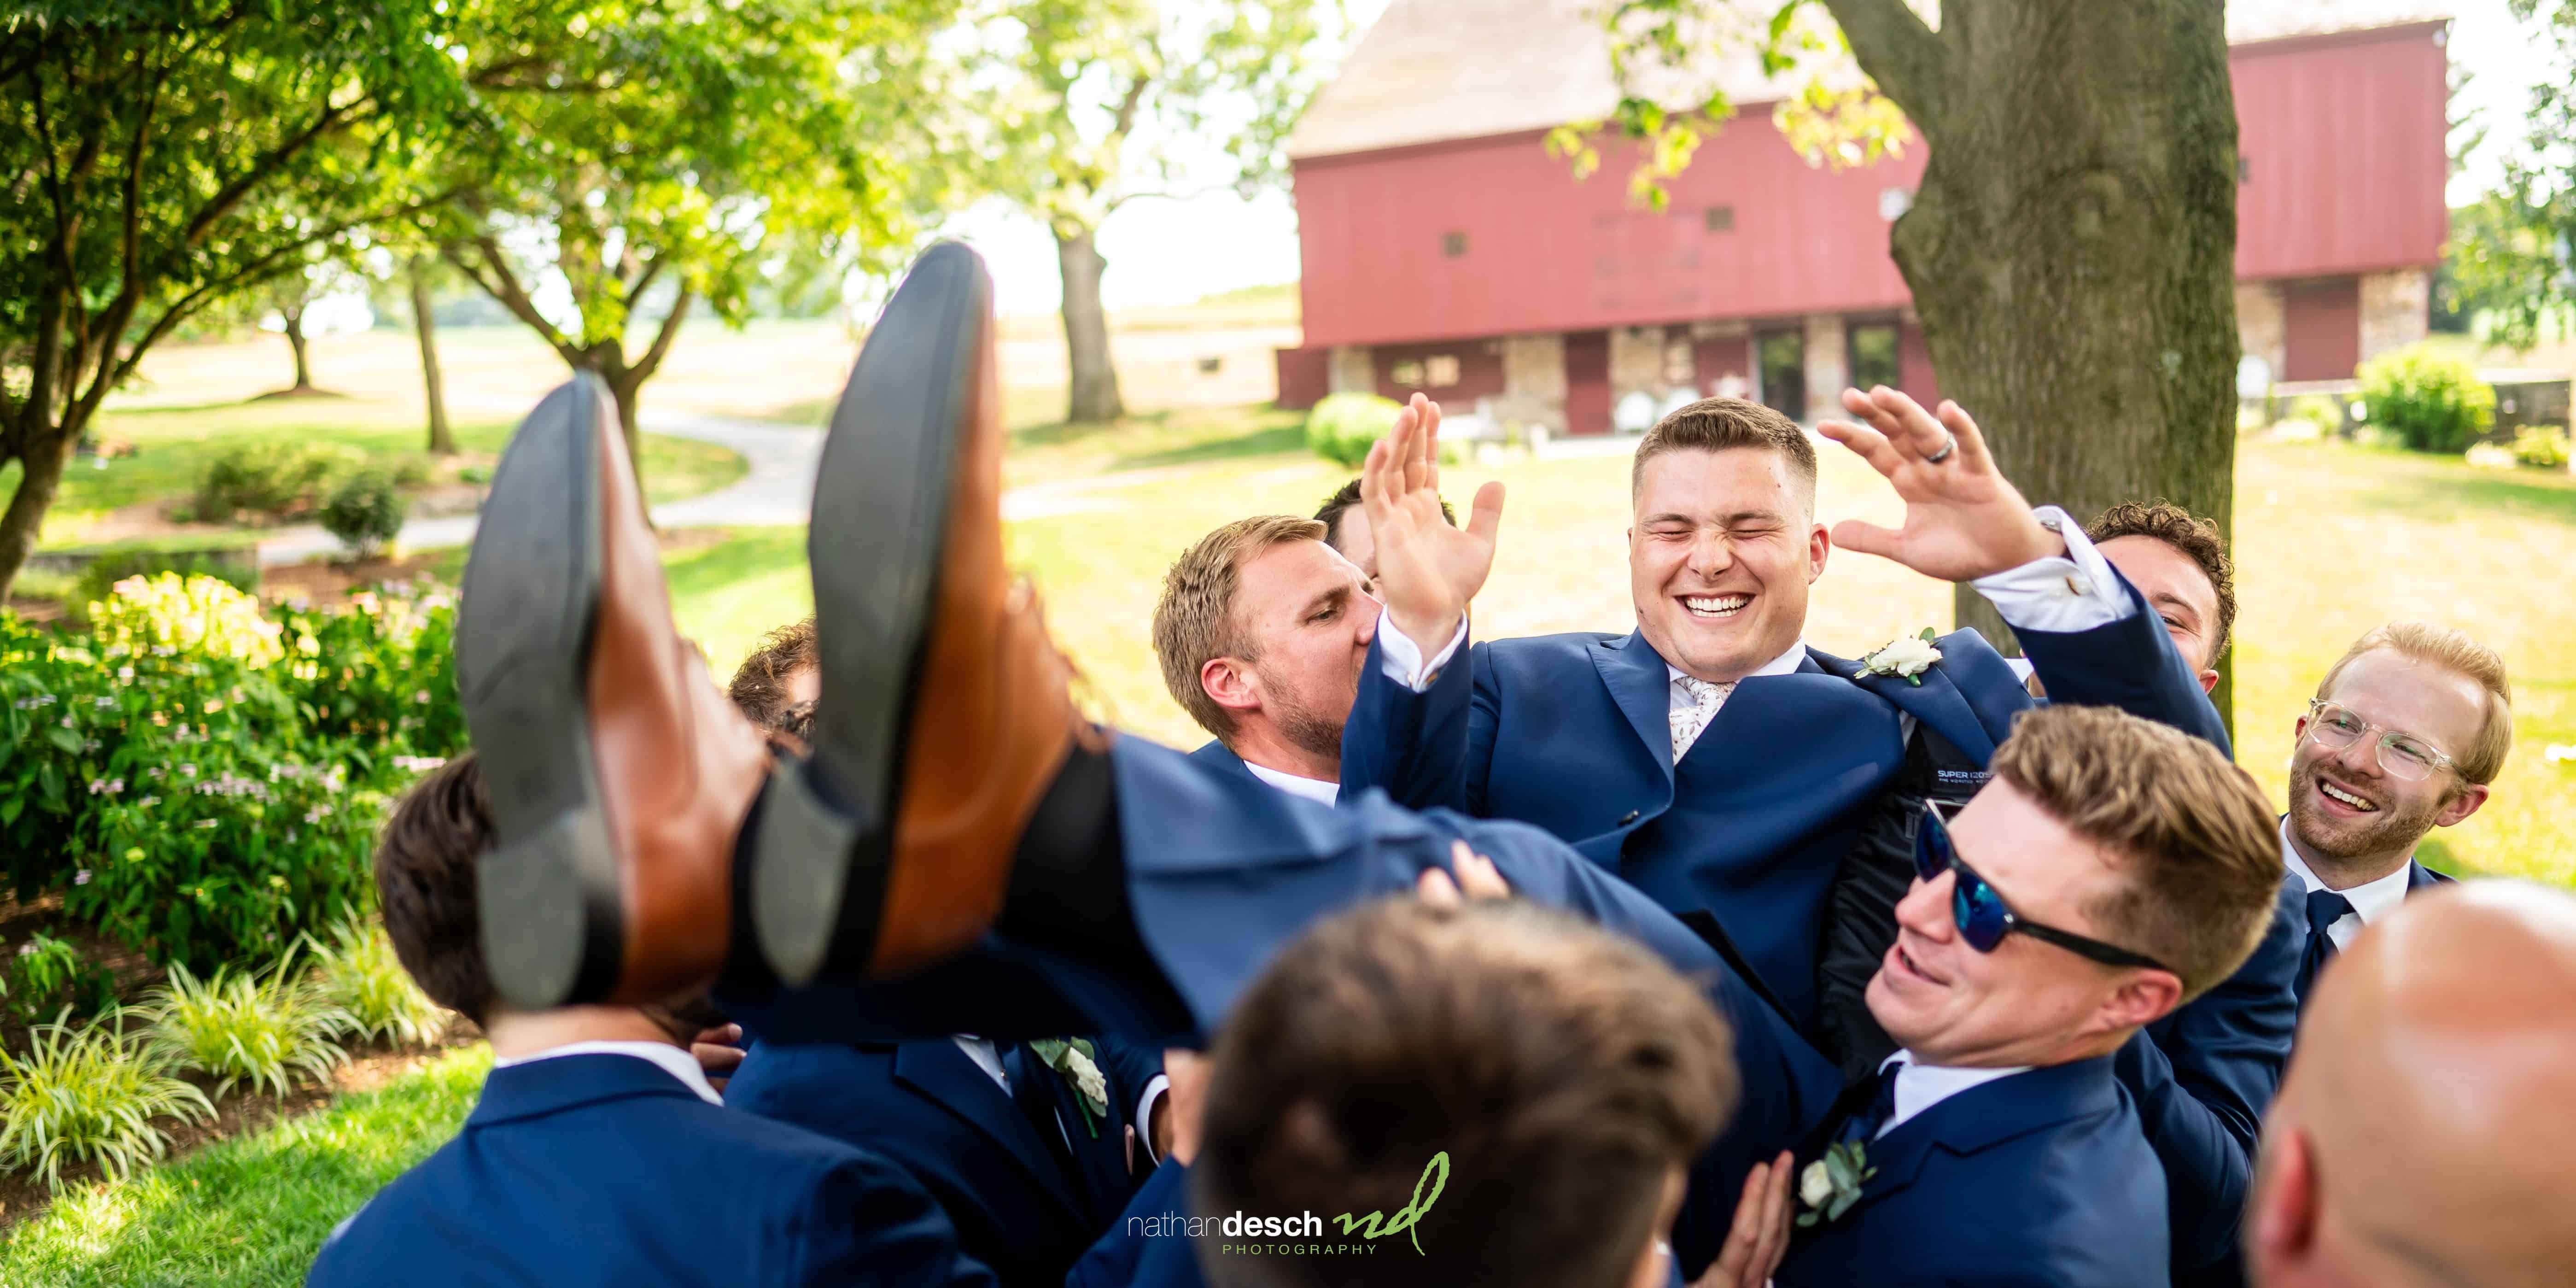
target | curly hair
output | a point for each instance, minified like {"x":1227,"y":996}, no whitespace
{"x":2198,"y":539}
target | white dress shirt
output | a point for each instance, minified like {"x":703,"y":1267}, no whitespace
{"x":2369,"y":900}
{"x":988,"y":1058}
{"x":673,"y":1061}
{"x":1921,"y":1086}
{"x":1313,"y":789}
{"x":2075,"y":591}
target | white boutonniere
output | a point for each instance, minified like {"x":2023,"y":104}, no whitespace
{"x":1831,"y":1184}
{"x":1908,"y":656}
{"x":1079,"y":1063}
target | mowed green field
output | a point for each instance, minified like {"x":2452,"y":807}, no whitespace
{"x":2330,"y":541}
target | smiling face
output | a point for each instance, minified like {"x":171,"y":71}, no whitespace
{"x":1309,"y":617}
{"x":2176,"y":590}
{"x":2027,"y":1002}
{"x":1722,"y":551}
{"x":2349,"y":814}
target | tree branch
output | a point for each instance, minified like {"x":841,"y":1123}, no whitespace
{"x":504,"y":286}
{"x":643,"y":281}
{"x":1899,"y":52}
{"x":269,"y":163}
{"x":662,"y":340}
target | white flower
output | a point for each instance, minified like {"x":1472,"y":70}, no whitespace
{"x":1815,"y":1185}
{"x":1908,"y":656}
{"x":81,"y":877}
{"x":1087,"y":1079}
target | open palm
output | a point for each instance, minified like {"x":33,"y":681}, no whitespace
{"x":1963,"y":518}
{"x":1428,"y":572}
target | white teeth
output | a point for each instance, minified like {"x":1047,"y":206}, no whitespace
{"x":2346,"y":797}
{"x":1715,"y":605}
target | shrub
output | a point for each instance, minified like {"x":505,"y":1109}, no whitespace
{"x":2542,"y":447}
{"x":2430,"y":402}
{"x":268,"y":481}
{"x":89,"y":1093}
{"x":2324,"y":413}
{"x":361,"y":976}
{"x":365,"y":512}
{"x":1342,"y":427}
{"x":269,"y":1030}
{"x":202,"y":783}
{"x":98,"y":580}
{"x":46,"y":975}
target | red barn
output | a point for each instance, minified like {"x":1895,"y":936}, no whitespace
{"x":1445,"y":250}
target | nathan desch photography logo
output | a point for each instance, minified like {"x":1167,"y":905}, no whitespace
{"x":1302,"y":1235}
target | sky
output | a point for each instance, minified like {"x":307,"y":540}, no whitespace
{"x":1171,"y":252}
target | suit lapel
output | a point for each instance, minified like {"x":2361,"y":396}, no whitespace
{"x":2420,"y":878}
{"x":1936,"y":702}
{"x":937,"y":1069}
{"x":1641,"y":684}
{"x":1984,"y":1116}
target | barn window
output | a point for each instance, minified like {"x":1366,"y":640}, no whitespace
{"x":1719,"y":219}
{"x":1453,"y":245}
{"x":1407,"y":373}
{"x":1440,"y":372}
{"x":1874,"y":359}
{"x":1678,"y":367}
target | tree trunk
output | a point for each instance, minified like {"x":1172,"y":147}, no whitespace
{"x":1094,"y":396}
{"x":442,"y":442}
{"x":2071,"y":251}
{"x":25,"y":518}
{"x":627,"y":385}
{"x":295,"y":340}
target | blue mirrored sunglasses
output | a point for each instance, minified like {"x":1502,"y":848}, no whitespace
{"x":1980,"y":911}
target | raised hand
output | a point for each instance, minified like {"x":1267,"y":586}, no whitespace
{"x":1963,"y":520}
{"x":1427,"y":571}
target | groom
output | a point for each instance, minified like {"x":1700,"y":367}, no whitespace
{"x":1710,"y":757}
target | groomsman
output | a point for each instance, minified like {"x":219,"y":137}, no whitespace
{"x":1346,"y":526}
{"x":1710,"y":757}
{"x":2405,"y":734}
{"x":597,"y":1153}
{"x":2423,"y":1136}
{"x":2179,"y":564}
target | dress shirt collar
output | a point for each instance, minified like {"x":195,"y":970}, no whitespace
{"x":1313,"y":789}
{"x":1782,"y":665}
{"x":1921,"y":1086}
{"x":673,"y":1061}
{"x":2369,"y":900}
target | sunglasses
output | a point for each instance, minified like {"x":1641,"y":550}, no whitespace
{"x":1980,"y":911}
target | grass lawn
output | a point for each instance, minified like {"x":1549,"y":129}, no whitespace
{"x":251,"y":1212}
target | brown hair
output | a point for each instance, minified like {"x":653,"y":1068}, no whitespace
{"x":2202,"y":848}
{"x":2441,"y":646}
{"x":425,"y":882}
{"x":759,"y":685}
{"x":1564,"y":1071}
{"x":1341,"y":502}
{"x":1723,"y":424}
{"x":1195,"y":622}
{"x":2198,"y":539}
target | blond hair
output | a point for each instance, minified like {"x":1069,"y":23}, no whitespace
{"x":2452,"y":650}
{"x":1195,"y":622}
{"x":2202,"y":856}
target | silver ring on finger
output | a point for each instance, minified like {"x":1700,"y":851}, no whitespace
{"x":1949,"y":444}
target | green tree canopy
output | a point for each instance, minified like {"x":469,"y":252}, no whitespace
{"x":2513,"y":253}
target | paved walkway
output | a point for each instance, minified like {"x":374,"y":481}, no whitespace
{"x":779,"y":489}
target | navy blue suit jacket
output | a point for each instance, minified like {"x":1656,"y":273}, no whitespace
{"x":2040,"y":1178}
{"x":604,"y":1170}
{"x":1572,"y":733}
{"x":926,"y":1105}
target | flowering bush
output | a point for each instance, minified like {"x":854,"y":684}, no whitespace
{"x":202,"y":782}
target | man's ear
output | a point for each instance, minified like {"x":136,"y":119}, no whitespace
{"x":1820,"y":543}
{"x":2281,"y":1218}
{"x":1229,"y":684}
{"x":2461,"y":805}
{"x":2209,"y":681}
{"x":2143,"y":998}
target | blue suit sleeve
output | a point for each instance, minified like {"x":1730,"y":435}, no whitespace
{"x":869,"y":1222}
{"x":2130,"y":664}
{"x":1135,"y":1254}
{"x":1419,"y":747}
{"x":2203,"y":1078}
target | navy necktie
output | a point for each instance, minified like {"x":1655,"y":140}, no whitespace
{"x":1862,"y":1127}
{"x":2325,"y":908}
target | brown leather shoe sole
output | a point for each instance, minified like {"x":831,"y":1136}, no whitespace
{"x":934,"y":731}
{"x":618,"y":774}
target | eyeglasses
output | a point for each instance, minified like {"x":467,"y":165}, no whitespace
{"x":1980,"y":912}
{"x":2401,"y":755}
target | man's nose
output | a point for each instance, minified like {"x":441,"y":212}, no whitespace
{"x":1712,"y":554}
{"x":1925,"y":909}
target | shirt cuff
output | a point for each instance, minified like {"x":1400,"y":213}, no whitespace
{"x":1403,"y":661}
{"x":2062,"y":594}
{"x":1144,"y":1118}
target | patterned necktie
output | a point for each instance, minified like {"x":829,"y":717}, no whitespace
{"x":2325,"y":908}
{"x":1862,"y":1127}
{"x":1688,"y":721}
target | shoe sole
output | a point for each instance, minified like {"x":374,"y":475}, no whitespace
{"x":876,"y":543}
{"x":550,"y":893}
